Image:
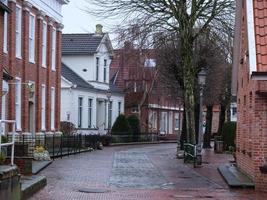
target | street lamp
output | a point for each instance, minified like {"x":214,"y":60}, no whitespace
{"x":108,"y":94}
{"x":201,"y":82}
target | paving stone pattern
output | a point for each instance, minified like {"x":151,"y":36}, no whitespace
{"x":147,"y":172}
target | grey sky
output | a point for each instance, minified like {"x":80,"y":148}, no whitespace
{"x":76,"y":20}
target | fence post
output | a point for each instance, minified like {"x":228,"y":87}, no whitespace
{"x":53,"y":146}
{"x":23,"y":148}
{"x":61,"y":145}
{"x":68,"y":144}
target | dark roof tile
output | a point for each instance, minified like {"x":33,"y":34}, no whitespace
{"x":82,"y":44}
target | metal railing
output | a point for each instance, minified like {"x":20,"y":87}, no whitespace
{"x":12,"y":143}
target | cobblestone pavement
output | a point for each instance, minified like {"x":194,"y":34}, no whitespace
{"x":147,"y":172}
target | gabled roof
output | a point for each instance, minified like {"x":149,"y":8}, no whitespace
{"x":74,"y":78}
{"x":80,"y":83}
{"x":80,"y":44}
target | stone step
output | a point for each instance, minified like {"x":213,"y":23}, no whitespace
{"x":31,"y":184}
{"x":38,"y":166}
{"x":234,"y":177}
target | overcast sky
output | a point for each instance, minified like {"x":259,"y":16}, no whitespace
{"x":75,"y":20}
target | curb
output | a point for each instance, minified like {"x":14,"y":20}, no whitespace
{"x":32,"y":185}
{"x":142,"y":143}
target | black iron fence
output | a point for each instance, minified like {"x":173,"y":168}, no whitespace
{"x":59,"y":145}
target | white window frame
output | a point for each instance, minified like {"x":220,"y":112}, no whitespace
{"x":18,"y":103}
{"x":110,"y":107}
{"x":80,"y":112}
{"x":53,"y":51}
{"x":44,"y":44}
{"x":90,"y":112}
{"x":43,"y":117}
{"x":97,"y":68}
{"x":32,"y":38}
{"x":18,"y":31}
{"x":53,"y":108}
{"x":105,"y":71}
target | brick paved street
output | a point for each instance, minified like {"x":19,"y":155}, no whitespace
{"x":147,"y":172}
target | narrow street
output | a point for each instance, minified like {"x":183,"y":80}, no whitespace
{"x":137,"y":173}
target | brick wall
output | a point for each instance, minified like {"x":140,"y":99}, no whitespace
{"x":34,"y":72}
{"x":251,"y":139}
{"x":1,"y":51}
{"x":142,"y":85}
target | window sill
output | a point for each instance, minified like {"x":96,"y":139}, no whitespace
{"x":19,"y":57}
{"x":44,"y":67}
{"x":32,"y":62}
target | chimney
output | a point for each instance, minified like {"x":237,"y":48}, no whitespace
{"x":99,"y":29}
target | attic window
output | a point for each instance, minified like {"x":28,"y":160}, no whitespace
{"x":84,"y":70}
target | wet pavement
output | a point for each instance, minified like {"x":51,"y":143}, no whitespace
{"x":138,"y":173}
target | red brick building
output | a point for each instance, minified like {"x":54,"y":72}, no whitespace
{"x":135,"y":72}
{"x":32,"y":56}
{"x":250,"y":71}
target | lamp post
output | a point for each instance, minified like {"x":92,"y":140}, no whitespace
{"x":201,"y":82}
{"x":108,"y":94}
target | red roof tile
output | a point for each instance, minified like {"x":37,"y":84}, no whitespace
{"x":260,"y":22}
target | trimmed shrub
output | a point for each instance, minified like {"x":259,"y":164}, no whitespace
{"x":228,"y":135}
{"x":105,"y":139}
{"x":134,"y":124}
{"x":67,"y":128}
{"x":121,"y":126}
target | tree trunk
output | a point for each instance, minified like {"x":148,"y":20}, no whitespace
{"x":188,"y":79}
{"x":221,"y":119}
{"x":208,"y":129}
{"x":197,"y":112}
{"x":183,"y":136}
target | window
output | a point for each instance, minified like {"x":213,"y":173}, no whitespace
{"x":150,"y":63}
{"x":5,"y":29}
{"x":234,"y":111}
{"x":31,"y":38}
{"x":80,"y":111}
{"x":97,"y":68}
{"x":153,"y":120}
{"x":43,"y":108}
{"x":18,"y":31}
{"x":44,"y":44}
{"x":52,"y":108}
{"x":18,"y":103}
{"x":105,"y":70}
{"x":54,"y":36}
{"x":164,"y":123}
{"x":177,"y":121}
{"x":110,"y":115}
{"x":119,"y":108}
{"x":90,"y":101}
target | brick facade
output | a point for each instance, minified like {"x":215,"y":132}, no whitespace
{"x":251,"y":139}
{"x":145,"y":93}
{"x":33,"y":72}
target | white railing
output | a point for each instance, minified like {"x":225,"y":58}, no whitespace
{"x":12,"y":144}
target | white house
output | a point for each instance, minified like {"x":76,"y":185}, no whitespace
{"x":87,"y":98}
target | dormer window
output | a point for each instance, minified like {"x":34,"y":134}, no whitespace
{"x":97,"y":69}
{"x":105,"y":70}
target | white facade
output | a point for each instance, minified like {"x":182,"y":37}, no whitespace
{"x":99,"y":113}
{"x":88,"y":108}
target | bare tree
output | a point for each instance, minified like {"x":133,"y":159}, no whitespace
{"x":187,"y":18}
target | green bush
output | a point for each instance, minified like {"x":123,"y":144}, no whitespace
{"x":121,"y":126}
{"x":105,"y":139}
{"x":134,"y":124}
{"x":228,"y":135}
{"x":4,"y":139}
